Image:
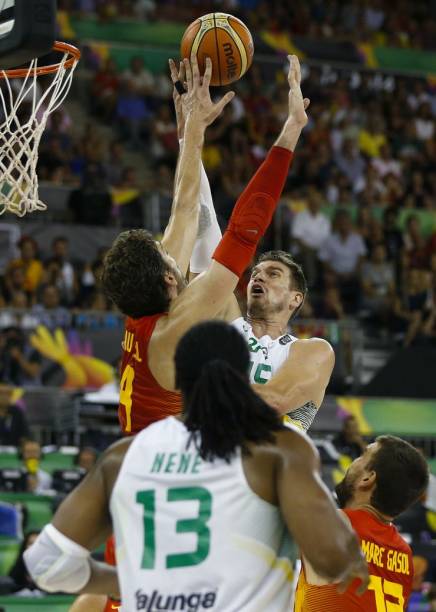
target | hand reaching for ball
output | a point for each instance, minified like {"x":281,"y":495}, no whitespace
{"x":196,"y":104}
{"x":178,"y":76}
{"x":297,"y":104}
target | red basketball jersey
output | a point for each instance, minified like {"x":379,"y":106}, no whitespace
{"x":390,"y":566}
{"x":142,"y":400}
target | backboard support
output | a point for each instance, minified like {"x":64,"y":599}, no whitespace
{"x":27,"y":30}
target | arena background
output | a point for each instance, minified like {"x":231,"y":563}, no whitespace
{"x":106,"y":162}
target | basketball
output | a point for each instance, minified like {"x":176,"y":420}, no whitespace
{"x":223,"y":38}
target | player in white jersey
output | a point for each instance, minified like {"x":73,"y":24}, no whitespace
{"x":202,"y":506}
{"x":275,"y":294}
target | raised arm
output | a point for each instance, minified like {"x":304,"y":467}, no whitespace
{"x":301,"y":380}
{"x":325,"y":539}
{"x":181,"y":232}
{"x":59,"y":560}
{"x":209,"y":293}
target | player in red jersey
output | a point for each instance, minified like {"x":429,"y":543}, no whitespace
{"x":389,"y":477}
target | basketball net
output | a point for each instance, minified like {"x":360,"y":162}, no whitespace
{"x":24,"y":112}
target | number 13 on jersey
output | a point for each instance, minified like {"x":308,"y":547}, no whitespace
{"x":126,"y":388}
{"x":382,"y":588}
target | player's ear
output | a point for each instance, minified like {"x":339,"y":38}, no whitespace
{"x":170,"y":279}
{"x":367,"y":480}
{"x":296,"y":300}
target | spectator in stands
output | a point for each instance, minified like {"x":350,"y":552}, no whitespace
{"x":39,"y":480}
{"x":385,"y":163}
{"x":393,"y":238}
{"x":115,"y":163}
{"x":66,"y":281}
{"x":164,"y":132}
{"x":138,"y":79}
{"x":49,"y":312}
{"x":30,"y":263}
{"x":342,"y":255}
{"x":132,"y":116}
{"x":410,"y":308}
{"x":331,"y":306}
{"x":372,"y":137}
{"x":22,"y":582}
{"x":20,"y":365}
{"x":13,"y":422}
{"x":14,"y":281}
{"x":92,"y":203}
{"x":415,"y":244}
{"x":86,"y":458}
{"x":424,"y":122}
{"x":310,"y":229}
{"x":127,"y":199}
{"x":378,"y":283}
{"x":349,"y":440}
{"x":104,"y":90}
{"x":352,"y":164}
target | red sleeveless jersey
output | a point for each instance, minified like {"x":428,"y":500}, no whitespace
{"x":390,"y":566}
{"x":142,"y":400}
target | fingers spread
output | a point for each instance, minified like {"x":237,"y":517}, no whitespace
{"x":188,"y":74}
{"x":195,"y":70}
{"x":207,"y":73}
{"x":173,"y":70}
{"x":182,"y":72}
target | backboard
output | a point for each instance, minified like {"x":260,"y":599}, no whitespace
{"x":27,"y":30}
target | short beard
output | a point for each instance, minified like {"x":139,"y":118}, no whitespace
{"x":344,"y":492}
{"x":255,"y":310}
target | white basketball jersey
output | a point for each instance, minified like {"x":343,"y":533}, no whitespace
{"x":266,"y":354}
{"x":191,"y":535}
{"x":266,"y":357}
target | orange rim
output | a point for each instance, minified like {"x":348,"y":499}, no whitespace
{"x":62,"y":47}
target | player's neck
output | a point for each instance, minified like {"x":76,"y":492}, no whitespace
{"x":267,"y":327}
{"x":368,"y":508}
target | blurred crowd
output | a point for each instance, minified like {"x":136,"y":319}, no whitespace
{"x":51,"y":282}
{"x":411,"y":24}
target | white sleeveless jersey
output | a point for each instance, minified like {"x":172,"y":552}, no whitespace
{"x":266,"y":357}
{"x":191,"y":535}
{"x":266,"y":354}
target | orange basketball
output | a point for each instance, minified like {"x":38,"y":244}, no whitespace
{"x":223,"y":38}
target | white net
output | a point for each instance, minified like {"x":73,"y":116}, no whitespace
{"x":24,"y":111}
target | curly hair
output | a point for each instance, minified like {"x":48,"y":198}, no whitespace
{"x":221,"y":410}
{"x":133,"y":275}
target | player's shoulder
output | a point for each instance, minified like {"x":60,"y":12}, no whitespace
{"x":315,"y":348}
{"x":111,"y":460}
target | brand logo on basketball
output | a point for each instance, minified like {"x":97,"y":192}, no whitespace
{"x":189,"y":602}
{"x":231,"y":65}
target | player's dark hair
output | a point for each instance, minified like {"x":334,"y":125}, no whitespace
{"x":298,"y":280}
{"x":402,"y":475}
{"x":133,"y":275}
{"x":220,"y":409}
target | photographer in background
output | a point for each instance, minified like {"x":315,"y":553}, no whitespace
{"x":19,"y":364}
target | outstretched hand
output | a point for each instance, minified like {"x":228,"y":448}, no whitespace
{"x":297,"y":104}
{"x":178,"y":75}
{"x":197,"y":102}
